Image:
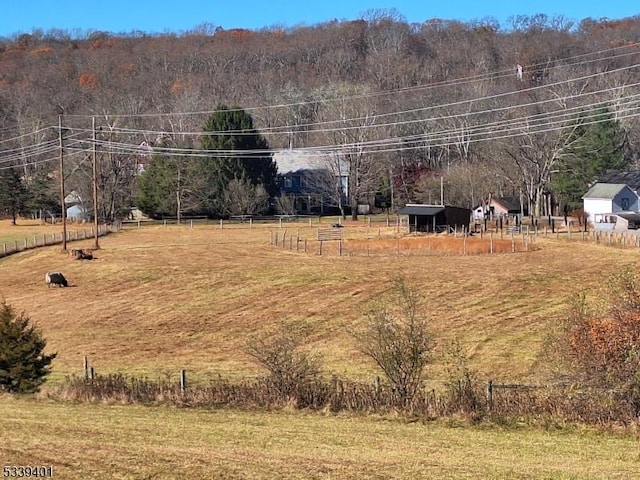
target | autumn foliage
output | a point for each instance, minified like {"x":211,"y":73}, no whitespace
{"x":603,"y":336}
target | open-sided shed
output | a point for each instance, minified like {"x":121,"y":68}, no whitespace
{"x":436,"y":218}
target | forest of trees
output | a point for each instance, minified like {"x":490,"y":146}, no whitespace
{"x":539,"y":107}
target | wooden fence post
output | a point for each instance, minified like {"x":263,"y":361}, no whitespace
{"x":489,"y":394}
{"x":183,"y":381}
{"x":85,"y":367}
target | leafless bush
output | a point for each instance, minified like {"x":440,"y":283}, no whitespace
{"x":395,"y":336}
{"x":291,"y":369}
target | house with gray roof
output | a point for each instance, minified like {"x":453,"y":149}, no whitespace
{"x":612,"y":206}
{"x":317,"y":181}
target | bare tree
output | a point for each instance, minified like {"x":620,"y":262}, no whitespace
{"x":396,"y":337}
{"x":280,"y":350}
{"x":243,"y":198}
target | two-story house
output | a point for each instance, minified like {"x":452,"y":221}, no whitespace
{"x":317,"y":181}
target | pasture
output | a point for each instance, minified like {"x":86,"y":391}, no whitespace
{"x":159,"y":299}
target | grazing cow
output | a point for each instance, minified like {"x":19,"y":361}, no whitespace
{"x":80,"y":254}
{"x":55,"y":278}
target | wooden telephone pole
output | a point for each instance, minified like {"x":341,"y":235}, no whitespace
{"x":62,"y":193}
{"x":96,"y":244}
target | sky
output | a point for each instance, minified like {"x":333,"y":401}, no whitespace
{"x":179,"y":16}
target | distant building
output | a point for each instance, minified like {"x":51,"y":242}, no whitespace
{"x":500,"y":207}
{"x":317,"y":181}
{"x":76,"y":210}
{"x":435,"y":218}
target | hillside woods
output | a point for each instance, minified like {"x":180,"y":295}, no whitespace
{"x":494,"y":109}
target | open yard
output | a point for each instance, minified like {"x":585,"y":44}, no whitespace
{"x":159,"y":299}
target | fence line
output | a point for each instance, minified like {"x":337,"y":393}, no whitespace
{"x":46,"y":239}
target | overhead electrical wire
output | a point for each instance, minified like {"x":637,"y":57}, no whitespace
{"x":19,"y":153}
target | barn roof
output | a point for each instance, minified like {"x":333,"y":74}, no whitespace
{"x":511,"y":204}
{"x":605,"y":190}
{"x":631,"y":178}
{"x":425,"y":210}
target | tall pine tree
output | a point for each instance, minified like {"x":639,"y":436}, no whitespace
{"x":598,"y":145}
{"x":235,"y":151}
{"x":23,"y":363}
{"x":13,"y":194}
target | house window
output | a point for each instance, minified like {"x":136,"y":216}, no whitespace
{"x":625,"y":204}
{"x":296,"y":182}
{"x":287,"y":182}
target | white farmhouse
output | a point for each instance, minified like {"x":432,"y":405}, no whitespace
{"x":605,"y":203}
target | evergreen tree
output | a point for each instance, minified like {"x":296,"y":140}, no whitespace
{"x":596,"y":148}
{"x":243,"y":157}
{"x":23,"y":364}
{"x":157,"y":188}
{"x":42,"y":194}
{"x":13,"y":194}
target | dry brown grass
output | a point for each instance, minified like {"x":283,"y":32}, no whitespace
{"x":82,"y":441}
{"x":27,"y":229}
{"x":159,"y":299}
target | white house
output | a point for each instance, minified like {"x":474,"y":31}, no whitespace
{"x":76,"y":209}
{"x":604,"y":200}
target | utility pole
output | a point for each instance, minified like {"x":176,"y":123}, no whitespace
{"x":96,"y":244}
{"x":62,"y":195}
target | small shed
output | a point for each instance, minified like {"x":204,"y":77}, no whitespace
{"x":436,"y":218}
{"x":500,"y":207}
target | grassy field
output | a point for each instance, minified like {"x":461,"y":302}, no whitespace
{"x":159,"y":299}
{"x":134,"y":442}
{"x":27,"y":229}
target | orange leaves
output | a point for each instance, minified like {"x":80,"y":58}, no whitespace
{"x":88,"y":81}
{"x":177,"y":86}
{"x":603,"y":341}
{"x":41,"y":51}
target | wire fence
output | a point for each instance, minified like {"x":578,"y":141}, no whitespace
{"x":48,"y":239}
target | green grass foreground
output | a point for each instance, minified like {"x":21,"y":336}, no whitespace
{"x":135,"y":442}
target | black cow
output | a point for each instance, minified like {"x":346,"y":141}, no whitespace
{"x":55,"y":278}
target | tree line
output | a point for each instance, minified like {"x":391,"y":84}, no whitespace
{"x":537,"y":108}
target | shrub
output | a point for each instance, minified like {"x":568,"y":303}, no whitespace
{"x":23,"y":364}
{"x":396,"y":337}
{"x":280,"y":351}
{"x":601,"y":343}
